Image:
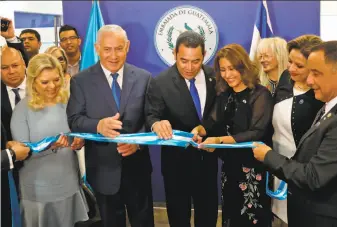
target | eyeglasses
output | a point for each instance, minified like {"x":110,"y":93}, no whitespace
{"x":264,"y":56}
{"x":71,"y":38}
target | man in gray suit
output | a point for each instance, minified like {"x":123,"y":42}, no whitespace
{"x":108,"y":98}
{"x":311,"y":173}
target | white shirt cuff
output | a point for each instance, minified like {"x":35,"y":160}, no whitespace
{"x":11,"y":164}
{"x":13,"y":40}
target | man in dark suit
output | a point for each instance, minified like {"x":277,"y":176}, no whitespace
{"x":107,"y":97}
{"x":13,"y":70}
{"x":10,"y":152}
{"x":180,"y":98}
{"x":13,"y":66}
{"x":311,"y":173}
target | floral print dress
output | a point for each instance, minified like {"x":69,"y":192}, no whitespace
{"x":244,"y":199}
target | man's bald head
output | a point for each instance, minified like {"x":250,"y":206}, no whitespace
{"x":12,"y":67}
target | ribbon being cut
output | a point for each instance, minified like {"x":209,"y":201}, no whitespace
{"x":179,"y":138}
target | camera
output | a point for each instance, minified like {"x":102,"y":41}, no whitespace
{"x":4,"y":25}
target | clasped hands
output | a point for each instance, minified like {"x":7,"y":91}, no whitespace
{"x":163,"y":129}
{"x":109,"y":127}
{"x":200,"y":132}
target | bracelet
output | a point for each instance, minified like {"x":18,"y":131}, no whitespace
{"x":12,"y":154}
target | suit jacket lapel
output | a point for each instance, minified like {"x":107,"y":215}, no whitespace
{"x":317,"y":125}
{"x":103,"y":86}
{"x":129,"y":78}
{"x":182,"y":88}
{"x":5,"y":103}
{"x":210,"y":92}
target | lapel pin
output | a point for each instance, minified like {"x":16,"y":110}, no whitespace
{"x":301,"y":101}
{"x":329,"y":115}
{"x":244,"y":101}
{"x":210,"y":79}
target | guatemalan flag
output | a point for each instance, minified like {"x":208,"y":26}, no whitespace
{"x":262,"y":27}
{"x":89,"y":56}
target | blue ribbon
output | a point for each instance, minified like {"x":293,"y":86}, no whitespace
{"x":281,"y":191}
{"x":16,"y":218}
{"x":179,"y":138}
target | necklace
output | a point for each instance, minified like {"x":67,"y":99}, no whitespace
{"x":301,"y":88}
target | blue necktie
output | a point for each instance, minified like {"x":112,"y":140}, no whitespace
{"x":195,"y":97}
{"x":116,"y":89}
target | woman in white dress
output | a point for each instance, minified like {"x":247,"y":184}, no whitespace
{"x":294,"y":111}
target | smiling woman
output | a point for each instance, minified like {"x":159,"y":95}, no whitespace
{"x":45,"y":82}
{"x":272,"y":55}
{"x":295,"y":106}
{"x":49,"y":185}
{"x":242,"y":113}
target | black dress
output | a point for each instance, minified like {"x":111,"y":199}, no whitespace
{"x":246,"y":116}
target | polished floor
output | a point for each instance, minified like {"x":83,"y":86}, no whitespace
{"x":160,"y":217}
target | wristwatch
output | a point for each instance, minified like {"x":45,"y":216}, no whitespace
{"x":12,"y":154}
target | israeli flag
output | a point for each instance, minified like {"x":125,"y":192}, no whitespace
{"x":262,"y":27}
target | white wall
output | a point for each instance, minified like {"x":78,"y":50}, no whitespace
{"x":7,"y":9}
{"x":329,"y":20}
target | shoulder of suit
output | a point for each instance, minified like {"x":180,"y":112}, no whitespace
{"x":138,"y":70}
{"x":87,"y":73}
{"x":165,"y":75}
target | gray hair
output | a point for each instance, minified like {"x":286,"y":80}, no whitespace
{"x":278,"y":47}
{"x":113,"y":28}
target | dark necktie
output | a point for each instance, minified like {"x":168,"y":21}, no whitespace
{"x":116,"y":89}
{"x":17,"y":95}
{"x":195,"y":97}
{"x":319,"y":115}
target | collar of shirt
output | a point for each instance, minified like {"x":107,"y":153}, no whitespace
{"x":329,"y":105}
{"x":76,"y":64}
{"x":199,"y":79}
{"x":22,"y":86}
{"x":108,"y":76}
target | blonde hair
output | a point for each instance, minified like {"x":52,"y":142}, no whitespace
{"x":278,"y":47}
{"x":239,"y":58}
{"x":53,"y":49}
{"x":36,"y":65}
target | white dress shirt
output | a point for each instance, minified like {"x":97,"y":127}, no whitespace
{"x":329,"y":105}
{"x":110,"y":79}
{"x":11,"y":94}
{"x":200,"y":84}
